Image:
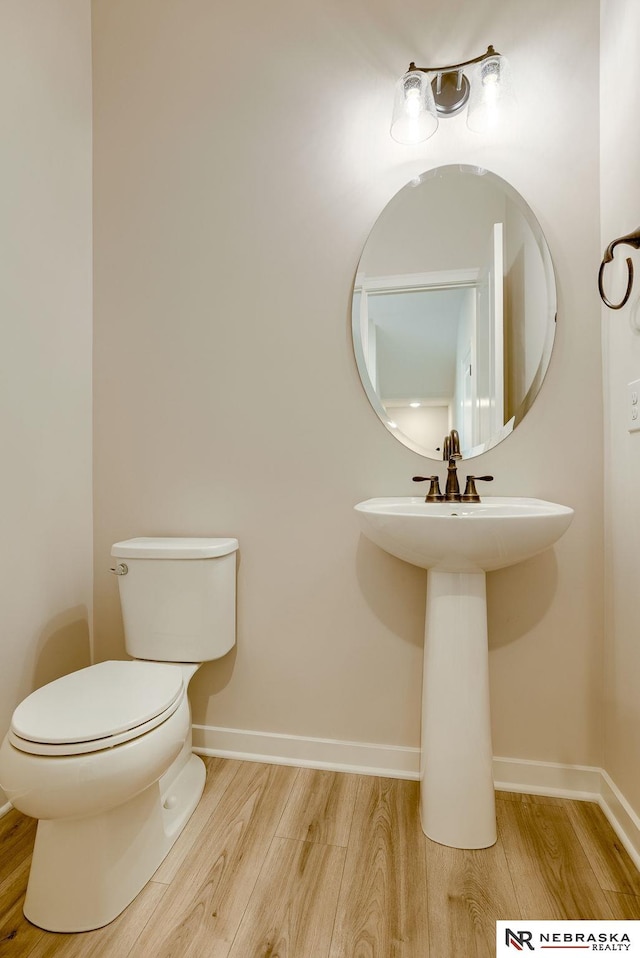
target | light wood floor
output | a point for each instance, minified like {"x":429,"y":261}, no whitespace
{"x":294,"y":863}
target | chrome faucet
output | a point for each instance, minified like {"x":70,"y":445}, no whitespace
{"x":451,"y":452}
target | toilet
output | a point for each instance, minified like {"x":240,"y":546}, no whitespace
{"x":102,"y":757}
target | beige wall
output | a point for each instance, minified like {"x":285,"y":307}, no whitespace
{"x":45,"y":359}
{"x":620,"y":195}
{"x":242,"y":154}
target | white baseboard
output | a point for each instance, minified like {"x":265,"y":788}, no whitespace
{"x":579,"y":782}
{"x":547,"y":778}
{"x":390,"y":761}
{"x":622,"y":817}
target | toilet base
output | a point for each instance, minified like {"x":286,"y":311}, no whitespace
{"x":85,"y":871}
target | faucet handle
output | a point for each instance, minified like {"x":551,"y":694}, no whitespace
{"x":470,"y":493}
{"x":434,"y":494}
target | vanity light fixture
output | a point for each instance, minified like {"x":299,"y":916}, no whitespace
{"x":424,"y":94}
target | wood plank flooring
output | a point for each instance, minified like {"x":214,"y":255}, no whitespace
{"x":279,"y":862}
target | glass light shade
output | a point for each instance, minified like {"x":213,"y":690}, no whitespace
{"x":414,"y":110}
{"x":492,"y":99}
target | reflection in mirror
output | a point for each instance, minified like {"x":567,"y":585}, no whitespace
{"x":454,"y":311}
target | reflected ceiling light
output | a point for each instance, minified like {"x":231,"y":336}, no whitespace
{"x":424,"y":94}
{"x":415,"y":405}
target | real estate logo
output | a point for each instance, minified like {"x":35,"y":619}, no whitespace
{"x":611,"y":937}
{"x":518,"y":939}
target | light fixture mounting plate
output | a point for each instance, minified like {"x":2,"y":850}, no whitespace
{"x":450,"y":92}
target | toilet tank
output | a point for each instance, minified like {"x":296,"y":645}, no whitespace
{"x":178,"y":597}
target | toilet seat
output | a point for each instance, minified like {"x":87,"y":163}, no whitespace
{"x":97,"y":708}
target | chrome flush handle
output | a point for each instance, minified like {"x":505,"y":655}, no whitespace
{"x":121,"y":569}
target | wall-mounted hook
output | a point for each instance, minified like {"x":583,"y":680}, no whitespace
{"x":633,"y":239}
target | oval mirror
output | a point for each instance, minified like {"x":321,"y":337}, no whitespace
{"x":454,"y":311}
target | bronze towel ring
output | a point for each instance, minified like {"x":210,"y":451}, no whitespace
{"x":633,"y":239}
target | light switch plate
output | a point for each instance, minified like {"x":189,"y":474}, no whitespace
{"x":633,"y":406}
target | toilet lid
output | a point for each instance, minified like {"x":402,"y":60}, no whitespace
{"x":85,"y":709}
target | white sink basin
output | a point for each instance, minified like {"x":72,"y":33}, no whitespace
{"x":458,"y":543}
{"x":461,"y":536}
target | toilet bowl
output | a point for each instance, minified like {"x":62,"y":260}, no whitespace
{"x":102,"y":757}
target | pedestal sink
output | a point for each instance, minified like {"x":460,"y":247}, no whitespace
{"x":459,"y":543}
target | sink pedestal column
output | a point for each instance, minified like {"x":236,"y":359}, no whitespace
{"x":457,"y":803}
